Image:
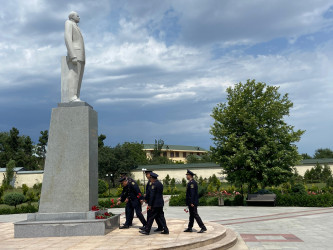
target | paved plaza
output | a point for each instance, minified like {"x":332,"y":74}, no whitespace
{"x":259,"y":227}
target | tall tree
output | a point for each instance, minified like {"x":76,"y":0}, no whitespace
{"x":253,"y":143}
{"x":121,"y":158}
{"x":306,"y":156}
{"x":41,"y":148}
{"x":323,"y":153}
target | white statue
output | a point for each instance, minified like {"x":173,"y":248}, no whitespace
{"x":75,"y":56}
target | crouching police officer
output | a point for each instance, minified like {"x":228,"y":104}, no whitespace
{"x":129,"y":211}
{"x":192,"y":201}
{"x":147,"y":196}
{"x":155,"y":204}
{"x":133,"y":198}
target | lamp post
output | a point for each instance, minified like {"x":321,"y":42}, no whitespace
{"x":144,"y":180}
{"x":110,"y":175}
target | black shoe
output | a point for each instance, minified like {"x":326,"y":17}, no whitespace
{"x":124,"y":227}
{"x":142,"y":228}
{"x":188,"y":230}
{"x":144,"y":232}
{"x":158,"y":230}
{"x":128,"y":225}
{"x":165,"y":232}
{"x":202,"y":230}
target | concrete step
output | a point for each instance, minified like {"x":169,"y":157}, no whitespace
{"x":215,"y":233}
{"x":226,"y":242}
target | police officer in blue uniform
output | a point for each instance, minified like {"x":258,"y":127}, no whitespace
{"x":192,"y":201}
{"x":129,"y":211}
{"x":147,"y":196}
{"x":155,"y":204}
{"x":133,"y":198}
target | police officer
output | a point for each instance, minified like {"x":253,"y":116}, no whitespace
{"x":129,"y":211}
{"x":133,"y":198}
{"x":147,"y":195}
{"x":192,"y":201}
{"x":155,"y":204}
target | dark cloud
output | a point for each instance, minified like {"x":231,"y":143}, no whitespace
{"x":155,"y":69}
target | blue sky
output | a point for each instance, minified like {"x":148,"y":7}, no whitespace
{"x":155,"y":69}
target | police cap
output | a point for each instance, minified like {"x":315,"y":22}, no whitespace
{"x":122,"y":179}
{"x":152,"y":174}
{"x":189,"y":172}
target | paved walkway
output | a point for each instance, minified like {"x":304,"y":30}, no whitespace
{"x":260,"y":227}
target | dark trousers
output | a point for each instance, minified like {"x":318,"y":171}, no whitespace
{"x":194,"y":215}
{"x":158,"y":222}
{"x":158,"y":214}
{"x":129,"y":213}
{"x":134,"y":206}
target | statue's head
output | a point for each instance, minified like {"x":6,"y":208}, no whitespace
{"x":74,"y":16}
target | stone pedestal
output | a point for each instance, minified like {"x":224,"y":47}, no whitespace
{"x":70,"y":182}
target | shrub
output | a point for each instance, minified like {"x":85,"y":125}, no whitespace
{"x":14,"y":199}
{"x":19,"y":210}
{"x":203,"y":201}
{"x":178,"y":200}
{"x":305,"y":200}
{"x":30,"y":196}
{"x":202,"y":190}
{"x":102,"y":186}
{"x":37,"y":187}
{"x":264,"y":191}
{"x":166,"y":180}
{"x":212,"y":201}
{"x":329,"y":182}
{"x":173,"y":182}
{"x":184,"y":182}
{"x":2,"y":190}
{"x":119,"y":190}
{"x":239,"y":200}
{"x":107,"y":203}
{"x":25,"y":189}
{"x":298,"y":188}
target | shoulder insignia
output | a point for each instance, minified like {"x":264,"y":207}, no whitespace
{"x":192,"y":185}
{"x":152,"y":187}
{"x":133,"y":183}
{"x":150,"y":183}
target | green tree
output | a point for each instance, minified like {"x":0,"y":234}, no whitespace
{"x":253,"y":143}
{"x":326,"y":173}
{"x":158,"y":148}
{"x":13,"y":199}
{"x":17,"y":148}
{"x":121,"y":158}
{"x":25,"y":189}
{"x":184,"y":182}
{"x":166,"y":180}
{"x":323,"y":153}
{"x":41,"y":148}
{"x":173,"y":182}
{"x":9,"y":176}
{"x":306,"y":156}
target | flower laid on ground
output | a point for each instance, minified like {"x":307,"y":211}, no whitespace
{"x":104,"y":216}
{"x":185,"y":210}
{"x":95,"y":208}
{"x":312,"y":193}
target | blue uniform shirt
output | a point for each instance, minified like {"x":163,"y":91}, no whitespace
{"x":192,"y":196}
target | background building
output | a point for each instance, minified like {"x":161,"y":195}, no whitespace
{"x":175,"y":152}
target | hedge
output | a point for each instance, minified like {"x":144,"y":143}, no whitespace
{"x":304,"y":200}
{"x":19,"y":210}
